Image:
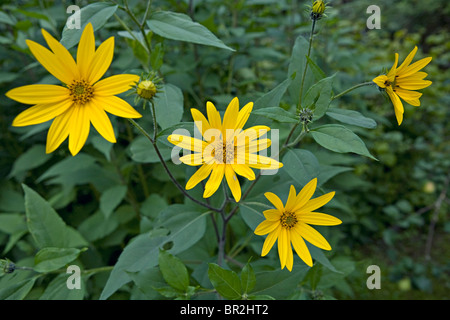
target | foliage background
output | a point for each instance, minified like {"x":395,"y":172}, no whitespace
{"x":394,"y":211}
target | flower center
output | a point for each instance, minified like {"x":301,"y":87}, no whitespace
{"x":288,"y":220}
{"x":224,"y":152}
{"x":81,"y":91}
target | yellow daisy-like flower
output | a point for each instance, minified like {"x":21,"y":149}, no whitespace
{"x":226,"y":149}
{"x":82,"y":99}
{"x":400,"y":82}
{"x":291,"y":224}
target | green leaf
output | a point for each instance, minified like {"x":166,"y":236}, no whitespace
{"x":17,"y":291}
{"x":143,"y":151}
{"x":301,"y":165}
{"x":248,"y":278}
{"x":351,"y":117}
{"x":279,"y":284}
{"x":226,"y":282}
{"x":327,"y":172}
{"x":57,"y":290}
{"x":95,"y":13}
{"x":50,"y":259}
{"x":46,"y":226}
{"x":111,"y":198}
{"x":169,"y":106}
{"x":318,"y":73}
{"x":297,"y":65}
{"x":277,"y":114}
{"x":178,"y":26}
{"x":252,"y":216}
{"x":186,"y":226}
{"x":66,"y":166}
{"x":340,"y":139}
{"x":174,"y":271}
{"x":32,"y":158}
{"x":318,"y":97}
{"x":274,"y":96}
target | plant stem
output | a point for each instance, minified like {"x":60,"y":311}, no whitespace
{"x":353,"y":88}
{"x":306,"y":66}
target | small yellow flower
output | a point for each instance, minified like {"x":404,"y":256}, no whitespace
{"x":400,"y":82}
{"x":227,"y":149}
{"x":290,"y":224}
{"x":82,"y":99}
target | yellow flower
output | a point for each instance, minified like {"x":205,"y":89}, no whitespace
{"x":227,"y":149}
{"x":400,"y":82}
{"x":82,"y":99}
{"x":290,"y":224}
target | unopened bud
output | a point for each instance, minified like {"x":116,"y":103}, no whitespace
{"x":146,"y":89}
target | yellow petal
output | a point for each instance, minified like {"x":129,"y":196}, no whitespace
{"x":398,"y":106}
{"x":407,"y":61}
{"x":200,"y":121}
{"x":243,"y":170}
{"x":290,"y":255}
{"x":381,"y":81}
{"x":64,"y":57}
{"x":266,"y":227}
{"x":213,"y":116}
{"x":243,"y":115}
{"x":187,"y":142}
{"x":194,"y":159}
{"x":305,"y":194}
{"x":200,"y":175}
{"x":312,"y":235}
{"x":272,"y":214}
{"x":101,"y":60}
{"x":86,"y":51}
{"x":49,"y":61}
{"x":39,"y":93}
{"x":101,"y":122}
{"x":230,"y":116}
{"x":79,"y":129}
{"x":413,"y":84}
{"x":250,"y":134}
{"x":291,"y":199}
{"x":407,"y":94}
{"x":115,"y":84}
{"x":301,"y":248}
{"x":258,"y":145}
{"x":416,"y":66}
{"x":392,"y":72}
{"x":233,"y":183}
{"x":273,"y":198}
{"x":214,"y":180}
{"x":59,"y":130}
{"x":319,"y":219}
{"x":283,"y":246}
{"x":260,"y":162}
{"x":41,"y":113}
{"x":116,"y":106}
{"x":318,"y":202}
{"x":270,"y":240}
{"x":417,"y":76}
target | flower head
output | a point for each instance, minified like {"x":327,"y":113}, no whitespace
{"x":82,"y":99}
{"x":290,"y":224}
{"x":400,"y":82}
{"x":226,"y":149}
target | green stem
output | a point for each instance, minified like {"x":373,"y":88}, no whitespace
{"x":353,"y":88}
{"x":306,"y":66}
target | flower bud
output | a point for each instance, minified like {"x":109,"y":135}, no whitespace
{"x":146,"y":89}
{"x":317,"y":9}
